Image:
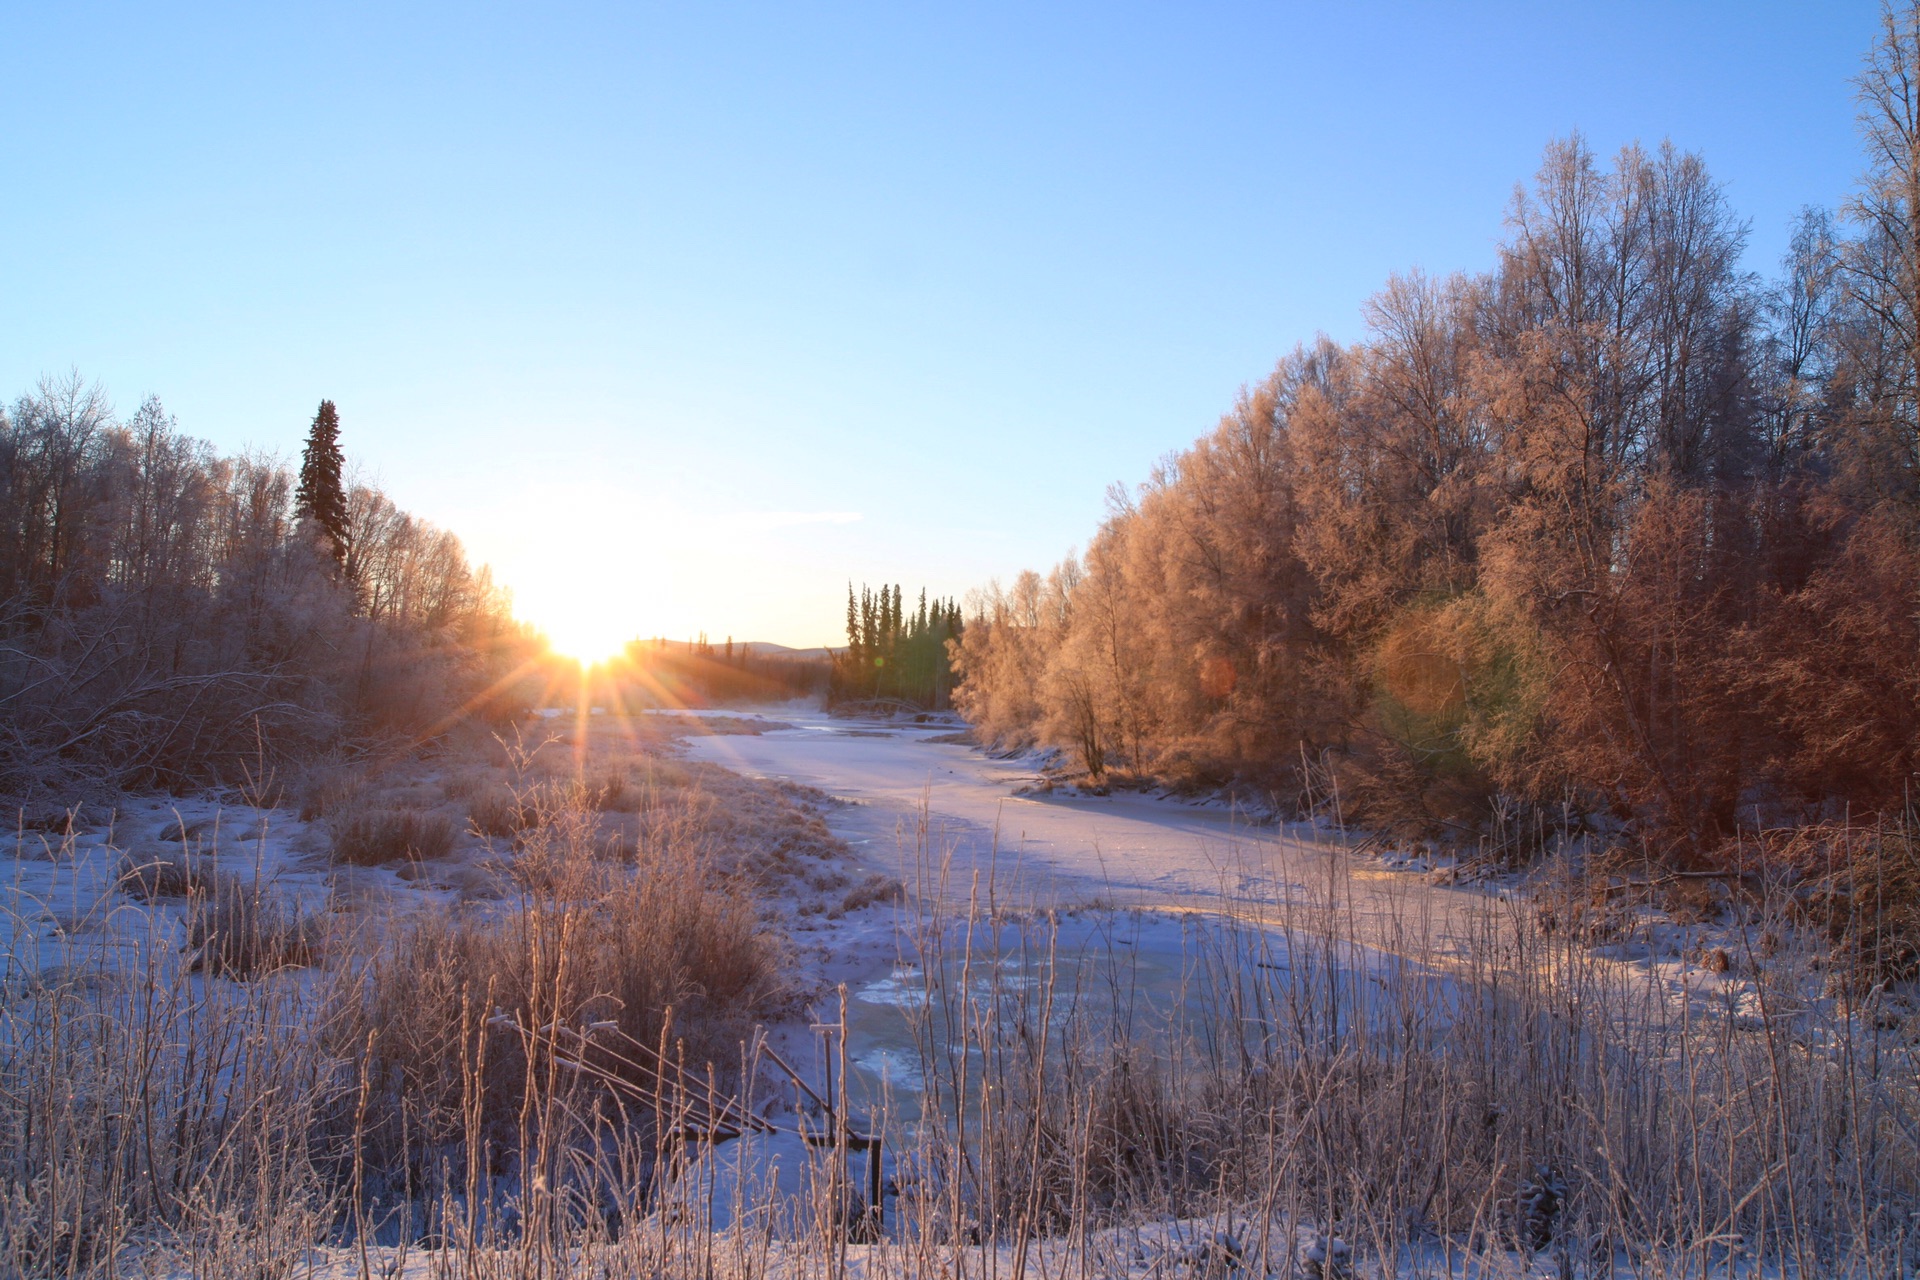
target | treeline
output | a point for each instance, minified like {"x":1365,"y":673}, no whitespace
{"x":170,"y":616}
{"x":1614,"y":531}
{"x":697,"y":673}
{"x":892,"y":653}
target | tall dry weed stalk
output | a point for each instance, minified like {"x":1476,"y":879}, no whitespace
{"x":546,"y":1085}
{"x":1431,"y":1096}
{"x":171,"y":1088}
{"x":141,"y":1099}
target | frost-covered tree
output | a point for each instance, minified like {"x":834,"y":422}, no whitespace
{"x":1612,"y":529}
{"x":164,"y":621}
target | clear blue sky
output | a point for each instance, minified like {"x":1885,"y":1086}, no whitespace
{"x":649,"y":303}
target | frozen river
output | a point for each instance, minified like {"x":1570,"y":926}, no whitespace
{"x":960,"y":826}
{"x":1066,"y":850}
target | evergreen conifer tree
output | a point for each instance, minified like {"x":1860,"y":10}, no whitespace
{"x":322,"y":497}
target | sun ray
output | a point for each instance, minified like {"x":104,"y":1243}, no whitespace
{"x":479,"y":699}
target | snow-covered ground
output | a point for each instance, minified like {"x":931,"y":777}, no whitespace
{"x":963,"y":828}
{"x":988,"y":817}
{"x":958,"y":824}
{"x":1143,"y":881}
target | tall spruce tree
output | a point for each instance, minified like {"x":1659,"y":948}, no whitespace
{"x":321,"y":496}
{"x":891,"y":653}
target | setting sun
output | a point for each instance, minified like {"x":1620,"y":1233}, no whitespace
{"x":586,"y":632}
{"x":592,"y":582}
{"x":573,"y":604}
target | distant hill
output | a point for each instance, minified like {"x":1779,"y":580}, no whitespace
{"x":767,"y":649}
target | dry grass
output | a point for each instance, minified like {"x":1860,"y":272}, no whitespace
{"x":242,"y":931}
{"x":228,"y":1117}
{"x":140,"y":1102}
{"x":772,"y":834}
{"x":876,"y":888}
{"x":235,"y":928}
{"x":1427,"y":1106}
{"x":374,"y":837}
{"x":499,"y":810}
{"x":164,"y":875}
{"x":584,"y":941}
{"x":1857,"y":885}
{"x":1418,"y":1110}
{"x":327,"y":788}
{"x":464,"y":784}
{"x":611,"y":792}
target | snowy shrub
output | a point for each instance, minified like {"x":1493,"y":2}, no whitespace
{"x":245,"y":931}
{"x":371,"y":837}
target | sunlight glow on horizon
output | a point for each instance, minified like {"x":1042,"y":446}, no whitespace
{"x":590,"y":637}
{"x":582,"y":568}
{"x":581,"y":614}
{"x":595,"y":564}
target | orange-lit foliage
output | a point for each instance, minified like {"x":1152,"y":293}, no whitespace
{"x":1614,"y":531}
